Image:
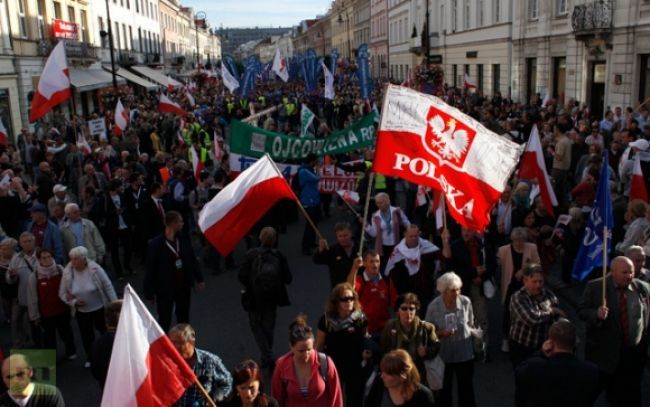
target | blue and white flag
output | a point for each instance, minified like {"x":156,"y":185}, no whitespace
{"x":363,"y":72}
{"x":590,"y":254}
{"x":334,"y":59}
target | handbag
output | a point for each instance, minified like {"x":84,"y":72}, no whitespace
{"x":489,"y":288}
{"x":435,"y":372}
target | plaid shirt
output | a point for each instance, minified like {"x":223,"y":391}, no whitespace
{"x":213,"y":375}
{"x":530,"y":317}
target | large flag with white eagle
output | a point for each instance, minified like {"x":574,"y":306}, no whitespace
{"x":423,"y":140}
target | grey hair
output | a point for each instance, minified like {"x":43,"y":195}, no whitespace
{"x":383,"y":195}
{"x":69,"y":207}
{"x":518,"y":233}
{"x":79,"y":251}
{"x":447,"y":281}
{"x":185,"y":331}
{"x":10,"y":241}
{"x":634,"y":249}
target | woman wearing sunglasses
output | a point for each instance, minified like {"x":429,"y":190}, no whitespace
{"x":410,"y":333}
{"x":398,"y":383}
{"x":249,"y":387}
{"x":304,"y":376}
{"x":341,"y":335}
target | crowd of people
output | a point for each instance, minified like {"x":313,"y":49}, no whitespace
{"x":407,"y":313}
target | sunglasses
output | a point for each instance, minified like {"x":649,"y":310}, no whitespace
{"x":346,"y":299}
{"x":406,"y":308}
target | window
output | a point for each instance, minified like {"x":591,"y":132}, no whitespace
{"x":497,"y":11}
{"x":443,"y":27}
{"x":480,"y":14}
{"x":561,"y":7}
{"x":496,"y":78}
{"x":126,"y":44}
{"x":455,"y":75}
{"x":116,"y":33}
{"x":644,"y":77}
{"x":137,"y":6}
{"x":130,"y":37}
{"x":531,"y":77}
{"x":71,"y":15}
{"x":57,"y":9}
{"x":467,"y":69}
{"x":128,"y":4}
{"x":533,"y":9}
{"x":466,"y":15}
{"x":22,"y":19}
{"x":454,"y":14}
{"x":479,"y":75}
{"x":559,"y":78}
{"x":41,"y":19}
{"x":141,"y":48}
{"x":84,"y":26}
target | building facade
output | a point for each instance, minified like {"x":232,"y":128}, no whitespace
{"x":378,"y":44}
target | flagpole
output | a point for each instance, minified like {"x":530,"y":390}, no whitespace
{"x":605,"y":266}
{"x":364,"y":220}
{"x":295,"y":197}
{"x":351,"y":208}
{"x":205,"y":393}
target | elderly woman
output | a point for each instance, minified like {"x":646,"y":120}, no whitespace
{"x":410,"y":333}
{"x":398,"y":384}
{"x":341,"y":335}
{"x":46,"y":310}
{"x":512,"y":258}
{"x":86,"y":287}
{"x":8,"y":292}
{"x":453,"y":316}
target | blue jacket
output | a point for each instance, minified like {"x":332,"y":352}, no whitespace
{"x":52,"y":240}
{"x":309,"y":193}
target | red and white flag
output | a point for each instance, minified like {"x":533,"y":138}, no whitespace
{"x":4,"y":137}
{"x":145,"y":368}
{"x":280,"y":66}
{"x":351,"y":197}
{"x":638,"y":187}
{"x":469,"y":82}
{"x":423,"y":140}
{"x":121,"y":118}
{"x":167,"y":106}
{"x":172,"y":84}
{"x":197,"y":164}
{"x":218,"y":151}
{"x":54,"y":84}
{"x":532,"y":166}
{"x":227,"y":218}
{"x":83,"y":145}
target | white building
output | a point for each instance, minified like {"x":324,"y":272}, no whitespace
{"x":403,"y":18}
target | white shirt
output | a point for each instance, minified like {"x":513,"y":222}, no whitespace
{"x":84,"y":288}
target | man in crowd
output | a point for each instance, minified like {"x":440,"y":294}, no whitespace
{"x":340,"y":256}
{"x":17,"y":374}
{"x":208,"y":367}
{"x":637,"y":255}
{"x":78,"y":231}
{"x":20,"y":268}
{"x":118,"y":232}
{"x":617,"y":330}
{"x":46,"y":232}
{"x":61,"y":195}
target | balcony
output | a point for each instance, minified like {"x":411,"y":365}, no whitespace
{"x":593,"y":19}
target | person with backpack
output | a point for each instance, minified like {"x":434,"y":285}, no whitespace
{"x":264,"y":274}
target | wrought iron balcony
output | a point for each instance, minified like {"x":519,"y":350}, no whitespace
{"x":592,"y":18}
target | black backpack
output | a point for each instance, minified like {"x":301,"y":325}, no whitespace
{"x":266,"y":279}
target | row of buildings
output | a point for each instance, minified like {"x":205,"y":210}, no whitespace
{"x":150,"y":37}
{"x":594,"y":51}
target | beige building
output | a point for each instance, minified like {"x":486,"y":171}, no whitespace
{"x":378,"y":38}
{"x":360,"y":24}
{"x":341,"y":16}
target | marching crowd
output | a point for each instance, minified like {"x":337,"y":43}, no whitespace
{"x":403,"y":320}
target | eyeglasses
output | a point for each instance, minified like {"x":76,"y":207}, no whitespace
{"x":346,"y":299}
{"x":407,"y":308}
{"x":246,"y":365}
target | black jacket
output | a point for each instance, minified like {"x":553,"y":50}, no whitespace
{"x":421,"y":398}
{"x":245,"y":277}
{"x":461,"y":262}
{"x":338,"y":262}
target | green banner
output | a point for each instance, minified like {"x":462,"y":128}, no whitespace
{"x":255,"y":142}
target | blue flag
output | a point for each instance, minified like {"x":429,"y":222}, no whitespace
{"x":334,"y":60}
{"x":232,"y":67}
{"x":363,"y":72}
{"x":590,"y":254}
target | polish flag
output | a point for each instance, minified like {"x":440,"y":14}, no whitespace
{"x":469,"y":82}
{"x":197,"y":164}
{"x":121,"y":118}
{"x":218,"y":151}
{"x":83,"y":145}
{"x":53,"y":86}
{"x":425,"y":141}
{"x":145,"y":368}
{"x":532,"y":166}
{"x":227,"y":218}
{"x":280,"y":66}
{"x":638,"y":188}
{"x":351,"y":197}
{"x":420,"y":196}
{"x":4,"y":137}
{"x":167,"y":106}
{"x":172,"y":84}
{"x":438,"y":207}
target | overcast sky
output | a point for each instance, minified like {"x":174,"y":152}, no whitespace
{"x":258,"y":13}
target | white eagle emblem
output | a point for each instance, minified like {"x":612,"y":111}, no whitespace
{"x":451,"y":143}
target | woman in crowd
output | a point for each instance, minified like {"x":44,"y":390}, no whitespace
{"x":8,"y":292}
{"x":398,"y":384}
{"x":341,"y":335}
{"x":304,"y":376}
{"x":410,"y":333}
{"x":46,"y":310}
{"x":512,"y":258}
{"x":86,"y":287}
{"x":249,"y":387}
{"x":453,"y":316}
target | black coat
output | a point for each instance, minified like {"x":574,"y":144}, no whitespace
{"x":461,"y":262}
{"x":421,"y":398}
{"x":561,"y":380}
{"x":152,"y":221}
{"x":161,"y":279}
{"x":245,"y":277}
{"x":338,"y":262}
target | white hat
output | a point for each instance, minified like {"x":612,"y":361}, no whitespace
{"x":59,"y":188}
{"x":641,"y":144}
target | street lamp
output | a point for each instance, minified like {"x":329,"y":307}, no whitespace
{"x":199,"y":16}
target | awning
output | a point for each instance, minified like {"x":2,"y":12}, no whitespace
{"x":90,"y":79}
{"x":156,"y":76}
{"x":131,"y":77}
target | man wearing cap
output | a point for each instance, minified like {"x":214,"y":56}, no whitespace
{"x":61,"y":194}
{"x":46,"y":232}
{"x":626,"y":165}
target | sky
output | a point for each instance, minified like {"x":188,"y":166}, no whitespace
{"x":258,"y":13}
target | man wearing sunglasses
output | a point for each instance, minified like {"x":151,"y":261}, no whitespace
{"x":17,"y":374}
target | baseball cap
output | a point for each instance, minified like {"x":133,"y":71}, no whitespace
{"x":38,"y":207}
{"x":641,"y":144}
{"x":59,"y":188}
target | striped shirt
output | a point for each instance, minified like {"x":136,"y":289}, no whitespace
{"x":530,"y":317}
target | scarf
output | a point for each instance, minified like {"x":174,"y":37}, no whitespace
{"x":411,"y":256}
{"x":379,"y":226}
{"x":46,"y":271}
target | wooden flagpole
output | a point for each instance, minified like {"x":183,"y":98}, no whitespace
{"x":365,"y":213}
{"x":642,"y":104}
{"x":351,"y":208}
{"x":205,"y":393}
{"x":604,"y":266}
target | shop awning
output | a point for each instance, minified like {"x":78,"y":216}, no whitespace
{"x":131,"y":77}
{"x":90,"y":79}
{"x":156,"y":76}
